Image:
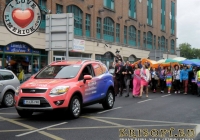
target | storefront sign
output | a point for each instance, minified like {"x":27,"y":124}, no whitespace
{"x":18,"y":48}
{"x":79,"y":45}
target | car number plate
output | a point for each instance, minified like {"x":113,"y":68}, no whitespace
{"x":32,"y":102}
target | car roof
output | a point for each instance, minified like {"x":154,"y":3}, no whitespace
{"x":74,"y":62}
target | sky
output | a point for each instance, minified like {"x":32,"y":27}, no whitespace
{"x":188,"y":22}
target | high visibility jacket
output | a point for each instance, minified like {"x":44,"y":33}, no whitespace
{"x":21,"y":75}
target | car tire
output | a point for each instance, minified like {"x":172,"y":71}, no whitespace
{"x":24,"y":113}
{"x":8,"y":99}
{"x":108,"y":103}
{"x":75,"y":107}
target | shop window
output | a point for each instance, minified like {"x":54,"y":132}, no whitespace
{"x":43,"y":62}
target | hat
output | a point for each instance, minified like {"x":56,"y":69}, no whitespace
{"x":117,"y":51}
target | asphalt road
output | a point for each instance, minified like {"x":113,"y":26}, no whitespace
{"x":159,"y":111}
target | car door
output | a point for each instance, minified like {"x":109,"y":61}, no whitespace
{"x":99,"y":78}
{"x":88,"y":88}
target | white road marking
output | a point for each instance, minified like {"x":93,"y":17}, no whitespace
{"x":126,"y":119}
{"x":40,"y":129}
{"x":6,"y":108}
{"x":166,"y":95}
{"x":145,"y":101}
{"x":109,"y":110}
{"x":105,"y":121}
{"x":103,"y":127}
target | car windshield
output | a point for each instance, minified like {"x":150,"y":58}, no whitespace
{"x":58,"y":72}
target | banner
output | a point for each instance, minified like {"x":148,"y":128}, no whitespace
{"x":79,"y":45}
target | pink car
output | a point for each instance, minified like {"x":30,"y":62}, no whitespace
{"x":68,"y":85}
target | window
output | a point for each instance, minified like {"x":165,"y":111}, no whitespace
{"x":150,"y":12}
{"x":109,"y":4}
{"x":98,"y":35}
{"x":139,"y":38}
{"x":132,"y":36}
{"x":97,"y":69}
{"x":5,"y":75}
{"x":78,"y":16}
{"x":86,"y":71}
{"x":163,"y":43}
{"x":117,"y":32}
{"x":132,"y":8}
{"x":154,"y":44}
{"x":149,"y":41}
{"x":108,"y":29}
{"x":125,"y":34}
{"x":144,"y":40}
{"x":172,"y":47}
{"x":59,"y":9}
{"x":60,"y":72}
{"x":167,"y":44}
{"x":42,"y":4}
{"x":104,"y":68}
{"x":87,"y":25}
{"x":162,"y":26}
{"x":159,"y":43}
{"x":172,"y":18}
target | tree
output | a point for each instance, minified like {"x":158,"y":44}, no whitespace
{"x":188,"y":52}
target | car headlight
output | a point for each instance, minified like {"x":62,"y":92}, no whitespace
{"x":59,"y":90}
{"x":17,"y":91}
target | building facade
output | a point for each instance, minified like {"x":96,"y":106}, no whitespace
{"x":134,"y":27}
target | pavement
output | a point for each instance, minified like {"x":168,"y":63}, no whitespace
{"x":177,"y":115}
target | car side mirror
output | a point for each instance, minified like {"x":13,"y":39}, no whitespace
{"x":87,"y":77}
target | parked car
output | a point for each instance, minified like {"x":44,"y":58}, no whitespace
{"x":8,"y":85}
{"x":67,"y":85}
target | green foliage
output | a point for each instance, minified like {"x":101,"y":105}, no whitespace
{"x":188,"y":52}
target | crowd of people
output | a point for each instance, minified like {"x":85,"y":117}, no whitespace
{"x":177,"y":78}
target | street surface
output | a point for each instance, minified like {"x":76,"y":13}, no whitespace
{"x":159,"y":111}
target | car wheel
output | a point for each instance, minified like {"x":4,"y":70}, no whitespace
{"x":8,"y":99}
{"x":75,"y":107}
{"x":24,"y":114}
{"x":109,"y":100}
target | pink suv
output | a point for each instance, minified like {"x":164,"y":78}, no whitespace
{"x":68,"y":85}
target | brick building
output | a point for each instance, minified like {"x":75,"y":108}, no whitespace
{"x":134,"y":27}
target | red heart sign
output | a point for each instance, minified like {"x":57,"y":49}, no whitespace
{"x":22,"y":18}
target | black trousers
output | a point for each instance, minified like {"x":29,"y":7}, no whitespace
{"x":154,"y":83}
{"x":177,"y":85}
{"x":119,"y":83}
{"x":162,"y":84}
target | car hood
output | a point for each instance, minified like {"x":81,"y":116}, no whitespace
{"x":45,"y":83}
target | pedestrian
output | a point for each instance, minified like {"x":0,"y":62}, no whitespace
{"x":197,"y":79}
{"x":169,"y":79}
{"x":161,"y":72}
{"x":176,"y":79}
{"x":136,"y":81}
{"x":127,"y":72}
{"x":145,"y":77}
{"x":119,"y":78}
{"x":154,"y":79}
{"x":117,"y":58}
{"x":184,"y":77}
{"x":192,"y":76}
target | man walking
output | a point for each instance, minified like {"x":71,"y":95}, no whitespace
{"x":118,"y":78}
{"x":127,"y":71}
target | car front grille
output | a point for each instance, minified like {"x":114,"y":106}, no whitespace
{"x":43,"y":102}
{"x":33,"y":90}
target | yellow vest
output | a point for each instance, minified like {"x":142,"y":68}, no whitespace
{"x":21,"y":75}
{"x":198,"y":75}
